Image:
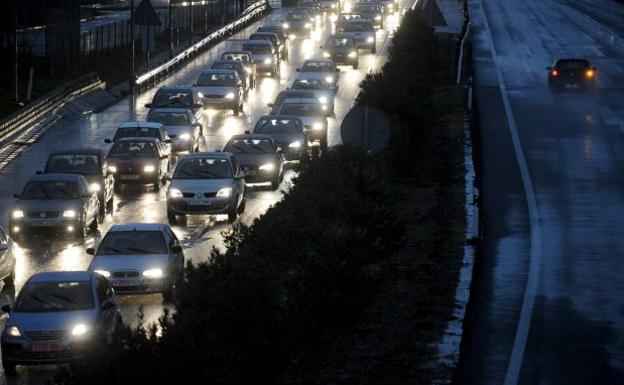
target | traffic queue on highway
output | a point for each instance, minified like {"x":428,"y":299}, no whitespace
{"x":59,"y":316}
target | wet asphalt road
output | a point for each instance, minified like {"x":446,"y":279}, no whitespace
{"x":573,"y":142}
{"x":47,"y":253}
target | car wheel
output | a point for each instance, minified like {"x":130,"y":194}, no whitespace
{"x":9,"y":368}
{"x":171,"y":217}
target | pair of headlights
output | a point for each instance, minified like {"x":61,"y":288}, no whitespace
{"x":223,"y":193}
{"x":150,"y":273}
{"x":77,"y":331}
{"x":68,"y":214}
{"x":148,"y":168}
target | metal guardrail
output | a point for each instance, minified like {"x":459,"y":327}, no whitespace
{"x":153,"y":75}
{"x":466,"y":33}
{"x":33,"y":112}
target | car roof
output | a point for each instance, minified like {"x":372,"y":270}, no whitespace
{"x":137,"y":227}
{"x":56,"y":177}
{"x":86,"y":151}
{"x":138,"y":139}
{"x":169,"y":109}
{"x":141,"y":124}
{"x":61,"y":276}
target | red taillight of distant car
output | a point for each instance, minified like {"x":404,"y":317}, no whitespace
{"x":590,"y":74}
{"x":554,"y":73}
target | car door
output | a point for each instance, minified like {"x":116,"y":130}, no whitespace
{"x":88,"y":199}
{"x":107,"y":304}
{"x":6,"y":262}
{"x":176,"y":258}
{"x":108,"y":180}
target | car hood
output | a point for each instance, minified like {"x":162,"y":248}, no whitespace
{"x":329,"y":94}
{"x":214,"y":90}
{"x":177,"y":130}
{"x":51,"y":320}
{"x":201,"y":185}
{"x":48,"y":205}
{"x":255,"y":159}
{"x":129,"y":262}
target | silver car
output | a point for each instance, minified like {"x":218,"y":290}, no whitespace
{"x":315,"y":82}
{"x":58,"y":317}
{"x":221,"y":89}
{"x":207,"y":183}
{"x":264,"y":56}
{"x":180,"y":125}
{"x":55,"y":201}
{"x":325,"y":68}
{"x":140,"y":258}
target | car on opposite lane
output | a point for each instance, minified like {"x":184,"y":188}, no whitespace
{"x":222,"y":89}
{"x":62,"y":202}
{"x":264,"y":56}
{"x":571,"y":73}
{"x":324,"y":67}
{"x":312,"y":116}
{"x":260,"y":158}
{"x":244,"y":57}
{"x":179,"y":97}
{"x":90,"y":163}
{"x":58,"y":317}
{"x":181,"y":127}
{"x":138,"y":161}
{"x":341,"y":50}
{"x":140,"y":258}
{"x":288,"y":132}
{"x":206,"y":183}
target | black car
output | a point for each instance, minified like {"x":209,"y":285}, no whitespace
{"x":246,"y":58}
{"x":342,"y":50}
{"x":288,"y":132}
{"x":276,"y":29}
{"x":259,"y":157}
{"x":238,"y":67}
{"x":180,"y":97}
{"x":138,"y":161}
{"x":571,"y":73}
{"x":90,"y":163}
{"x":290,"y":94}
{"x":272,"y":37}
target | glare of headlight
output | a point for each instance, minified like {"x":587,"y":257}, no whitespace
{"x":200,"y":94}
{"x":317,"y":126}
{"x":248,"y":70}
{"x":153,"y":273}
{"x":69,"y":214}
{"x":229,"y":95}
{"x":149,"y":168}
{"x":285,"y":25}
{"x":185,"y":136}
{"x":326,"y":54}
{"x":352,"y":54}
{"x":267,"y":61}
{"x":18,"y":214}
{"x":295,"y":144}
{"x":175,"y":193}
{"x":13,"y":331}
{"x":79,"y":330}
{"x":267,"y":167}
{"x":95,"y":187}
{"x":112,"y":169}
{"x":103,"y":273}
{"x":370,"y":39}
{"x":224,"y":192}
{"x":323,"y":99}
{"x":292,"y":36}
{"x":329,"y":79}
{"x":377,"y":17}
{"x":306,"y":25}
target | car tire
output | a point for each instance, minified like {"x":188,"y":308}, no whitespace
{"x":9,"y":368}
{"x":172,"y":218}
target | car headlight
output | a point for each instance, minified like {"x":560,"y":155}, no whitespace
{"x":329,"y":79}
{"x":153,"y":273}
{"x":306,"y":25}
{"x":295,"y":144}
{"x":80,"y":330}
{"x":326,"y":54}
{"x":149,"y":168}
{"x":248,"y":70}
{"x":352,"y":54}
{"x":370,"y":39}
{"x":175,"y":193}
{"x":323,"y":99}
{"x":324,"y":107}
{"x":200,"y":94}
{"x":285,"y":25}
{"x":267,"y":167}
{"x":17,"y":214}
{"x":95,"y":187}
{"x":229,"y":95}
{"x":224,"y":192}
{"x":268,"y":61}
{"x":317,"y":126}
{"x":378,"y":17}
{"x":112,"y":169}
{"x":13,"y":331}
{"x":69,"y":214}
{"x":103,"y":273}
{"x":185,"y":136}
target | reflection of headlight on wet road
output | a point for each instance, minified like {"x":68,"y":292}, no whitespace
{"x":317,"y":126}
{"x":352,"y":54}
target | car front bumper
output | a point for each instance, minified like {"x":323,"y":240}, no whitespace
{"x":204,"y":206}
{"x":20,"y":351}
{"x":142,"y":178}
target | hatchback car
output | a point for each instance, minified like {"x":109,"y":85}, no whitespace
{"x":362,"y":32}
{"x":179,"y":97}
{"x":276,"y":29}
{"x":312,"y":116}
{"x":245,"y":58}
{"x":322,"y":90}
{"x":372,"y":12}
{"x":326,"y":69}
{"x":138,"y":161}
{"x":282,"y":49}
{"x":222,"y":89}
{"x":206,"y":183}
{"x":288,"y":132}
{"x":181,"y":127}
{"x":297,"y":22}
{"x":571,"y":73}
{"x":259,"y":157}
{"x":264,"y":56}
{"x":235,"y":65}
{"x":7,"y":258}
{"x":58,"y":317}
{"x":293,"y":94}
{"x":62,"y":202}
{"x":90,"y":163}
{"x":341,"y":50}
{"x":140,"y":258}
{"x":139,"y":129}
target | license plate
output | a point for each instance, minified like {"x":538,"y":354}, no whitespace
{"x":199,"y":202}
{"x":125,"y":282}
{"x":41,"y":222}
{"x":129,"y":177}
{"x":46,"y":346}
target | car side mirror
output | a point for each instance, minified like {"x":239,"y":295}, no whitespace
{"x":148,"y":105}
{"x":176,"y":248}
{"x":16,"y":195}
{"x":108,"y":141}
{"x":6,"y":308}
{"x":39,"y":172}
{"x":91,"y":250}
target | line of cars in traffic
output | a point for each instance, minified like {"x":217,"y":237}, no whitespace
{"x":58,"y":316}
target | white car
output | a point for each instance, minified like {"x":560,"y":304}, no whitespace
{"x":139,"y":258}
{"x":221,"y":89}
{"x":315,"y":82}
{"x":325,"y":68}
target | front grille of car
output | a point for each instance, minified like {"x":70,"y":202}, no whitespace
{"x":213,"y":96}
{"x":45,"y":335}
{"x":188,"y":194}
{"x":43,"y":214}
{"x":210,"y":195}
{"x":125,"y":274}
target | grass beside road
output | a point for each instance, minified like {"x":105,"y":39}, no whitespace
{"x":349,"y":279}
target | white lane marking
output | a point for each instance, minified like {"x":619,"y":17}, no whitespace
{"x":524,"y":321}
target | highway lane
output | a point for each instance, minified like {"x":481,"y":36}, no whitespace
{"x":573,"y":144}
{"x":44,"y":253}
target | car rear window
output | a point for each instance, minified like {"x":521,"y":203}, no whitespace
{"x":43,"y":297}
{"x":572,"y":64}
{"x":133,"y":242}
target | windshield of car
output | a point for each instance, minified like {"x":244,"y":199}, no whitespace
{"x":255,"y":36}
{"x":339,"y":42}
{"x":359,"y":26}
{"x":173,"y":99}
{"x":572,"y":65}
{"x":243,"y":57}
{"x":216,"y":80}
{"x":317,"y":66}
{"x":137,"y":132}
{"x":133,"y":242}
{"x":261,"y":49}
{"x":309,"y":84}
{"x":275,"y":126}
{"x":203,"y":168}
{"x":297,"y":16}
{"x":43,"y":297}
{"x":86,"y":164}
{"x":250,"y":146}
{"x":308,"y":109}
{"x":50,"y":190}
{"x":227,"y":66}
{"x":170,"y":118}
{"x":133,"y":149}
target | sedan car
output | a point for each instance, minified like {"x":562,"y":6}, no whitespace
{"x":245,"y":58}
{"x":372,"y":12}
{"x":264,"y":56}
{"x":312,"y":116}
{"x":179,"y":97}
{"x":259,"y":157}
{"x":55,"y":201}
{"x":143,"y":130}
{"x":571,"y":73}
{"x":322,"y":90}
{"x":138,"y":161}
{"x":222,"y":89}
{"x":239,"y":67}
{"x":288,"y":132}
{"x":341,"y":50}
{"x":276,"y":29}
{"x":58,"y":317}
{"x":206,"y":183}
{"x":293,"y":94}
{"x":362,"y":32}
{"x":7,"y":258}
{"x":140,"y":258}
{"x":181,"y":127}
{"x":282,"y":49}
{"x":90,"y":163}
{"x":325,"y":68}
{"x":297,"y":23}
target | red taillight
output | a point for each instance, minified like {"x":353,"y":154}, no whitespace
{"x":554,"y":73}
